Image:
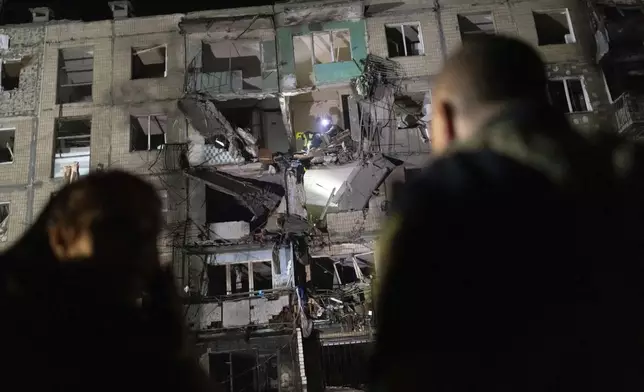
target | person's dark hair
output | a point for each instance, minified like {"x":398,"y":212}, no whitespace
{"x":493,"y":69}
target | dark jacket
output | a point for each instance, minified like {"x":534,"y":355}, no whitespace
{"x":62,"y":330}
{"x":514,"y":264}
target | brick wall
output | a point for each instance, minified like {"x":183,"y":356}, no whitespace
{"x":25,"y":44}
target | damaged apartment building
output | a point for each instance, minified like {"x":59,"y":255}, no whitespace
{"x":21,"y":68}
{"x":277,"y":137}
{"x":618,"y":27}
{"x":293,"y":132}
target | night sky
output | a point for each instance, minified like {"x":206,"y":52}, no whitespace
{"x":17,"y":11}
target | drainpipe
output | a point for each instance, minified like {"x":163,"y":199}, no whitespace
{"x":31,"y":174}
{"x":441,"y":32}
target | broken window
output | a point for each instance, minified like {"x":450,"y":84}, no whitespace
{"x":4,"y":221}
{"x":11,"y":75}
{"x":230,"y":66}
{"x":554,"y":27}
{"x":75,"y":75}
{"x":474,"y":25}
{"x":7,"y":139}
{"x":568,"y":95}
{"x":147,"y":133}
{"x":149,"y":62}
{"x":321,"y":47}
{"x":239,"y":278}
{"x":404,"y":40}
{"x":262,"y":276}
{"x":331,"y":46}
{"x":71,"y":145}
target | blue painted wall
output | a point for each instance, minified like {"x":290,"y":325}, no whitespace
{"x":330,"y":72}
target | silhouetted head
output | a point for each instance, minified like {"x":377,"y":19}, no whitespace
{"x":479,"y":80}
{"x":110,"y":220}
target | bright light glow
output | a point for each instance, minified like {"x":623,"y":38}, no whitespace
{"x":325,"y":122}
{"x":335,"y":300}
{"x":220,"y":143}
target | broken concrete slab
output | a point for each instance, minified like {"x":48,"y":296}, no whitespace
{"x":355,"y":192}
{"x":229,"y":230}
{"x":259,"y":197}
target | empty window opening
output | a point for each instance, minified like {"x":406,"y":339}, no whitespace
{"x":303,"y":54}
{"x":147,"y":133}
{"x":4,"y":221}
{"x":346,"y":365}
{"x":71,"y":145}
{"x":11,"y":75}
{"x":230,"y":66}
{"x":221,"y":207}
{"x":474,"y":25}
{"x":7,"y":141}
{"x":149,"y":63}
{"x":216,"y":280}
{"x":554,"y":27}
{"x":75,"y":75}
{"x":568,"y":95}
{"x":262,"y":276}
{"x":404,"y":40}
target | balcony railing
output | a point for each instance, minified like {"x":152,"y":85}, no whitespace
{"x":629,"y":112}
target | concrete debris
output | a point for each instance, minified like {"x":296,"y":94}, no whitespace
{"x":261,"y":198}
{"x":355,"y":192}
{"x":209,"y":122}
{"x":250,"y":142}
{"x":229,"y":230}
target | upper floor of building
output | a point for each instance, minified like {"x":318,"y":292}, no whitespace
{"x":259,"y":51}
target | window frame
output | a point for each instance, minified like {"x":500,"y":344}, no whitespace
{"x":565,"y":11}
{"x":165,"y":63}
{"x":149,"y":116}
{"x":56,"y":154}
{"x":8,"y":203}
{"x":13,"y":156}
{"x":471,"y":33}
{"x":582,"y":80}
{"x":330,"y":32}
{"x":60,"y":71}
{"x":420,"y":37}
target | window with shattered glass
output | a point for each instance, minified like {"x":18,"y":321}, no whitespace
{"x":4,"y":221}
{"x":404,"y":40}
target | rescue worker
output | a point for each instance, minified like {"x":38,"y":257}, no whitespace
{"x":513,"y":263}
{"x":84,"y":295}
{"x":311,"y":140}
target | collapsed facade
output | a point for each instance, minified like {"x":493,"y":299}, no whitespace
{"x":277,"y":252}
{"x":618,"y":28}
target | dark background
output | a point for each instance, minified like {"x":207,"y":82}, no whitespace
{"x":17,"y":11}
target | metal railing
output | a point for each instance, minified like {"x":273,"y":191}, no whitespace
{"x":629,"y":111}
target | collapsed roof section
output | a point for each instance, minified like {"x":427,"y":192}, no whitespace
{"x":261,"y":198}
{"x":231,"y":145}
{"x":356,"y":191}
